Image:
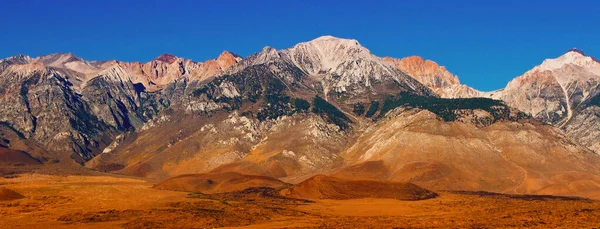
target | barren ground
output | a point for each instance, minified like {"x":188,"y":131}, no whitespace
{"x":118,"y":202}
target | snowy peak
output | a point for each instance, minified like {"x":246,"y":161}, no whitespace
{"x":327,"y":54}
{"x":322,"y":54}
{"x":329,"y":37}
{"x":329,"y":42}
{"x":572,"y":57}
{"x":337,"y":64}
{"x":554,"y":90}
{"x":345,"y":65}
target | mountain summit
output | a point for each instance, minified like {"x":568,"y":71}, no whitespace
{"x":327,"y":53}
{"x":573,"y":57}
{"x":340,"y":65}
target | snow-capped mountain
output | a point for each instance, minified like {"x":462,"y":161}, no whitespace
{"x":562,"y":91}
{"x":329,"y":56}
{"x":552,"y":90}
{"x":340,"y":65}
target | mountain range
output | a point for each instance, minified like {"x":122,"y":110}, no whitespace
{"x":326,"y":106}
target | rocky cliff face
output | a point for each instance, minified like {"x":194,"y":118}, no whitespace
{"x":70,"y":105}
{"x":436,"y":77}
{"x":40,"y":103}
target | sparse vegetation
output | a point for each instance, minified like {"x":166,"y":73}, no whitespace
{"x":148,"y":106}
{"x":449,"y":109}
{"x":9,"y":126}
{"x":27,"y":83}
{"x":358,"y":109}
{"x":276,"y":105}
{"x":595,"y":101}
{"x":201,"y":91}
{"x":300,"y":104}
{"x":372,"y":109}
{"x":330,"y":113}
{"x":247,"y":113}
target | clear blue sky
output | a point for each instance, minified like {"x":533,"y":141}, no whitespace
{"x":485,"y":43}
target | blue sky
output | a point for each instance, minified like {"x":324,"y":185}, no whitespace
{"x":485,"y":43}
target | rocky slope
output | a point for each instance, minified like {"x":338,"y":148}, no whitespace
{"x":436,"y":77}
{"x":243,"y":119}
{"x":67,"y":104}
{"x":562,"y":92}
{"x":417,"y":146}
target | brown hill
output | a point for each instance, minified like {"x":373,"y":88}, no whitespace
{"x":217,"y":182}
{"x":16,"y":157}
{"x":326,"y":187}
{"x":371,"y":170}
{"x":7,"y":194}
{"x":509,"y":157}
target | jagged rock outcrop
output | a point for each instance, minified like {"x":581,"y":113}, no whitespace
{"x":68,"y":104}
{"x":40,"y":103}
{"x":436,"y":77}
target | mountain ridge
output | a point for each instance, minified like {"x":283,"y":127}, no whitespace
{"x":325,"y":106}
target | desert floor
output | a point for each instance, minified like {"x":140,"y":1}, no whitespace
{"x":120,"y":202}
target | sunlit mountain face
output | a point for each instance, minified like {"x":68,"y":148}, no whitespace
{"x":294,"y":128}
